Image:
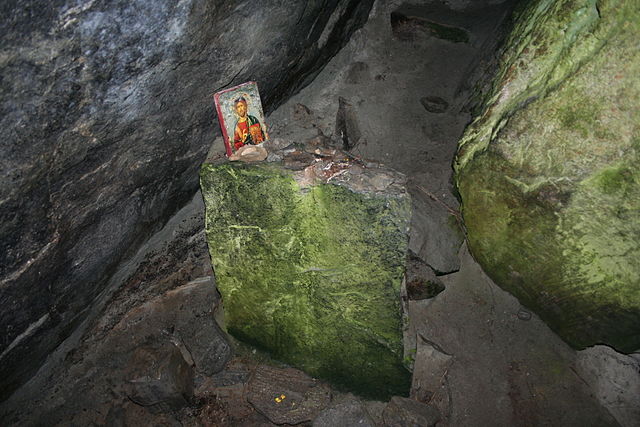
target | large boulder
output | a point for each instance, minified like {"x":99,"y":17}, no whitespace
{"x":311,"y":270}
{"x":549,"y":171}
{"x":106,"y":116}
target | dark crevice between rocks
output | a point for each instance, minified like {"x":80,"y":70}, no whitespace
{"x":347,"y":130}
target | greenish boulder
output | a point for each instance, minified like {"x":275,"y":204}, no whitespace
{"x":549,"y":170}
{"x":311,"y":272}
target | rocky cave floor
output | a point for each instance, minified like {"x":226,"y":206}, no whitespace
{"x":398,"y":94}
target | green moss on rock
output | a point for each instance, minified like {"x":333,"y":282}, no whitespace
{"x":549,"y":171}
{"x":311,"y":274}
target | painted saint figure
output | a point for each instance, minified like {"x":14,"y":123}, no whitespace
{"x":248,"y":130}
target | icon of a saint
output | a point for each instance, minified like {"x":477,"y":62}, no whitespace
{"x":248,"y":130}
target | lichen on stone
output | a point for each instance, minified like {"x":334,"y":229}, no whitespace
{"x":311,"y":274}
{"x":548,"y":173}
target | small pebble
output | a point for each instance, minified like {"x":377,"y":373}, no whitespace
{"x":524,"y":315}
{"x":434,"y":104}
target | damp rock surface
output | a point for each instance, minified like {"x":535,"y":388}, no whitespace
{"x":309,"y":263}
{"x":548,"y":172}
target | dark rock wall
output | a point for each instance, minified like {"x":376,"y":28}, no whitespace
{"x":106,"y":115}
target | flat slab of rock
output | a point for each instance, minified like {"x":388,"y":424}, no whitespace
{"x":287,"y":396}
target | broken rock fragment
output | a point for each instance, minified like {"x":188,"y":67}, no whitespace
{"x":185,"y":316}
{"x":286,"y":396}
{"x":249,"y":153}
{"x":422,"y":282}
{"x":161,"y":379}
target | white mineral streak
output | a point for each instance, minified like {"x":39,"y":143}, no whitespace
{"x":29,"y":331}
{"x":328,"y":29}
{"x":27,"y":264}
{"x":68,"y":17}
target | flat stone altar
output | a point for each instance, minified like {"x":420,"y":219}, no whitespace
{"x":309,"y":255}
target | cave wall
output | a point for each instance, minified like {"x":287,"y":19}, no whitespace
{"x":107,"y":113}
{"x":548,"y":171}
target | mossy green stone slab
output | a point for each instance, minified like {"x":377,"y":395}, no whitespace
{"x":311,"y":274}
{"x":549,"y":172}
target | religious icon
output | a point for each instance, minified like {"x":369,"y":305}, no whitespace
{"x":240,"y":115}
